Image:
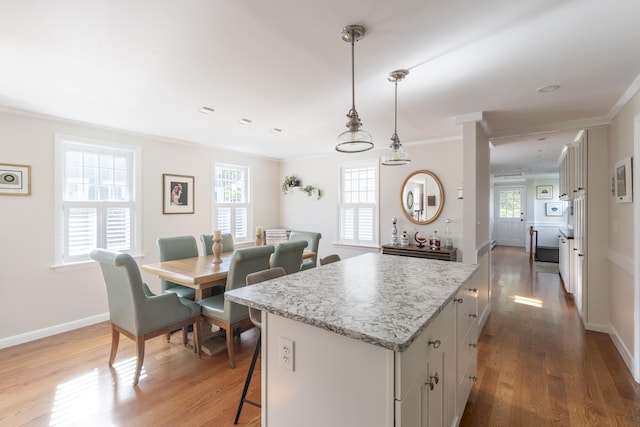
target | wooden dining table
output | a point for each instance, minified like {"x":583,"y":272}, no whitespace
{"x":199,"y":273}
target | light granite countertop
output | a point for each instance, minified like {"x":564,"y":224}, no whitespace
{"x":385,"y":300}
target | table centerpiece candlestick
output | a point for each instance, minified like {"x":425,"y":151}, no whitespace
{"x":259,"y":236}
{"x":216,"y":247}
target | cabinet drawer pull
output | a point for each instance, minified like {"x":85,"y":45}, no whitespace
{"x":458,"y":300}
{"x":474,"y":290}
{"x":474,"y":345}
{"x":435,"y":344}
{"x":473,"y":315}
{"x":433,"y":380}
{"x":473,"y":378}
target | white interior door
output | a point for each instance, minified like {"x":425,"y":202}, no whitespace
{"x":509,"y":226}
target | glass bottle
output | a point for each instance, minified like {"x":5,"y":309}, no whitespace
{"x":448,"y":240}
{"x":434,"y":242}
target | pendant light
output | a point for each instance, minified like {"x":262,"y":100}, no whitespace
{"x":355,"y":139}
{"x":395,"y":154}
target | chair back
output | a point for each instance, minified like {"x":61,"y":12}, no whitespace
{"x":171,"y":248}
{"x":207,"y":243}
{"x":289,"y":256}
{"x":313,"y":240}
{"x":244,"y":262}
{"x":329,"y":259}
{"x":273,"y":273}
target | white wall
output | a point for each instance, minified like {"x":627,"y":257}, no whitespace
{"x":299,"y":211}
{"x":34,"y":295}
{"x":621,"y":254}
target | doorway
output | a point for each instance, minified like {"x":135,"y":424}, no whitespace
{"x":509,"y":225}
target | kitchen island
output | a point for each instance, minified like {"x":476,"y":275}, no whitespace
{"x":365,"y":341}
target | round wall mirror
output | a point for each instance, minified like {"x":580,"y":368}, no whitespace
{"x":422,"y":197}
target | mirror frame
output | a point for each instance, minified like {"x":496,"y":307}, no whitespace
{"x":403,"y":202}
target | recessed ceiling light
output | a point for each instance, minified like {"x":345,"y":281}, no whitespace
{"x":206,"y":110}
{"x":244,"y":121}
{"x":276,"y":130}
{"x":547,"y":89}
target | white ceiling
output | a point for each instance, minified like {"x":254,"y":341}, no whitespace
{"x":148,"y":66}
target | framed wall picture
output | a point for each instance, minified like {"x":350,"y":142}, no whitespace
{"x":15,"y":180}
{"x":544,"y":192}
{"x":553,"y":208}
{"x":177,"y":194}
{"x":623,"y":174}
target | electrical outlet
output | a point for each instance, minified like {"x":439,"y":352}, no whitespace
{"x":287,"y":354}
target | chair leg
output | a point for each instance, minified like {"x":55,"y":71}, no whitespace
{"x":230,"y":345}
{"x":248,"y":380}
{"x":115,"y":339}
{"x":139,"y":359}
{"x":196,"y":337}
{"x":185,"y":337}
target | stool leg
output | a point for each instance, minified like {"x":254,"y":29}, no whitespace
{"x":248,"y":380}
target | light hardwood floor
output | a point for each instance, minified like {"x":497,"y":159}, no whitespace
{"x":536,"y":367}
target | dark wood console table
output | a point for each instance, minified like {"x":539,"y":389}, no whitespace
{"x":414,"y":251}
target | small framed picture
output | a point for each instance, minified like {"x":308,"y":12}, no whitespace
{"x":623,"y":174}
{"x":544,"y":192}
{"x":15,"y":180}
{"x":553,"y":208}
{"x":177,"y":194}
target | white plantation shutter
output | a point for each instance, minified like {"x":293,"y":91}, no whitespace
{"x":232,"y":201}
{"x":358,"y":216}
{"x":95,"y":184}
{"x":81,"y":224}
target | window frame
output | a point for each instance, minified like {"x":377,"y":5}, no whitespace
{"x":248,"y":204}
{"x":375,"y":230}
{"x":63,"y":143}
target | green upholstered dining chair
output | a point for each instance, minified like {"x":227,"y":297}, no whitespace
{"x":219,"y":311}
{"x":137,"y":315}
{"x":313,"y":239}
{"x":256,"y":318}
{"x":289,"y":256}
{"x":172,"y":248}
{"x":329,"y":259}
{"x":207,"y":242}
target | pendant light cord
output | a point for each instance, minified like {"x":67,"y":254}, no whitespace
{"x":353,"y":72}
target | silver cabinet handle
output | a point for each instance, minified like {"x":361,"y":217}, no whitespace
{"x":473,"y":378}
{"x":459,"y":300}
{"x":473,"y":290}
{"x":435,"y":344}
{"x":474,"y":345}
{"x":433,"y":380}
{"x":473,"y":315}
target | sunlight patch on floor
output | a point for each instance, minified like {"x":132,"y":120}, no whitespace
{"x":533,"y":302}
{"x":78,"y":400}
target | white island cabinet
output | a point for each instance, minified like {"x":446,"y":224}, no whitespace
{"x":367,"y":341}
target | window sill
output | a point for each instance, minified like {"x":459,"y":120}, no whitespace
{"x":83,"y":265}
{"x":354,"y":246}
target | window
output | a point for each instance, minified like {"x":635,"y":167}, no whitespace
{"x":232,"y":202}
{"x":358,"y":208}
{"x":510,"y":203}
{"x":95,"y":190}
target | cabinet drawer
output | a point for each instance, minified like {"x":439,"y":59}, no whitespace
{"x":465,"y":382}
{"x":466,"y":309}
{"x":436,"y":339}
{"x":468,"y":348}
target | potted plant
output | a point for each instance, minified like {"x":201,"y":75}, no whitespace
{"x":289,"y":182}
{"x":308,"y":189}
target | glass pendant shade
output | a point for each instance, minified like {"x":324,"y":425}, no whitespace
{"x":354,"y":139}
{"x":395,"y":154}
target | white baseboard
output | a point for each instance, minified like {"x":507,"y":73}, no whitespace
{"x":52,"y":330}
{"x":622,"y":349}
